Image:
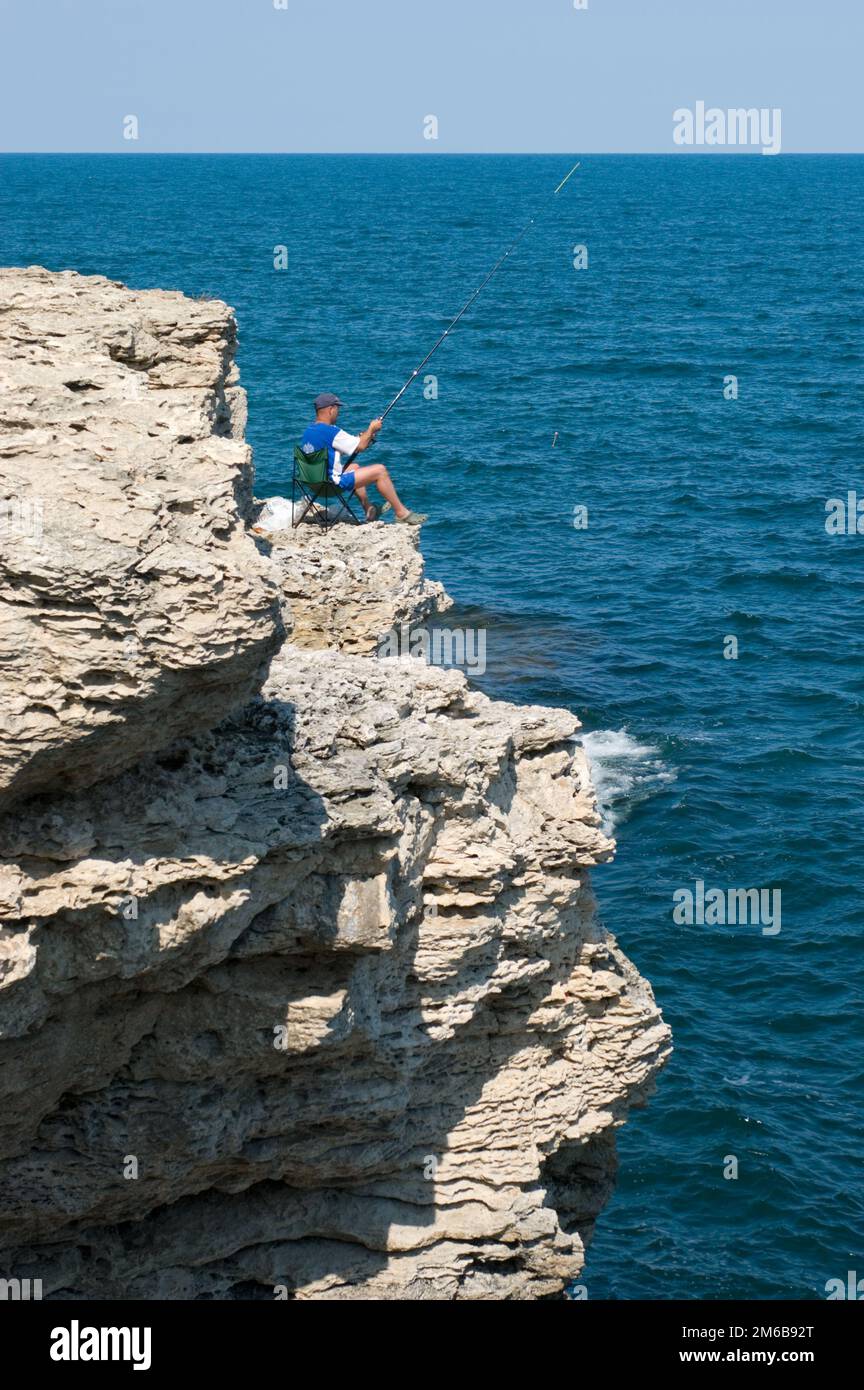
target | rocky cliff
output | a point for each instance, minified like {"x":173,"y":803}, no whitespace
{"x":301,"y":986}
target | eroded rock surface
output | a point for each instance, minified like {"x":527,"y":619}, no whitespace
{"x":134,"y":606}
{"x":350,"y":588}
{"x":315,"y":1000}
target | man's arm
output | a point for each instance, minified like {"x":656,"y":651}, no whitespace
{"x":368,"y":437}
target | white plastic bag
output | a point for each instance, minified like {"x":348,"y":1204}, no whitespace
{"x":280,"y":514}
{"x":277,"y":514}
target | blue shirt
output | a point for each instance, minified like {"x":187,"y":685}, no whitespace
{"x":339,"y":444}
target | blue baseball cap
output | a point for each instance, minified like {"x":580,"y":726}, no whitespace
{"x":325,"y":399}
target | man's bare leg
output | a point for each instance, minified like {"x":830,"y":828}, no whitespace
{"x":377,"y":473}
{"x":363,"y":498}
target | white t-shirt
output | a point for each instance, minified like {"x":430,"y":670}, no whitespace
{"x":343,"y":446}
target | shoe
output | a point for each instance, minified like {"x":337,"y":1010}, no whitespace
{"x":375,"y":513}
{"x":413,"y":518}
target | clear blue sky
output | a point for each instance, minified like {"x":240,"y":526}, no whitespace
{"x":360,"y":75}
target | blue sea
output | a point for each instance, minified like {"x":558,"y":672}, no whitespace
{"x":705,"y":522}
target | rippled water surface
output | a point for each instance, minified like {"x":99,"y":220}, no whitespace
{"x":705,"y":520}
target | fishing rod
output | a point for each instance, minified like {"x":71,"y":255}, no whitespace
{"x":496,"y":267}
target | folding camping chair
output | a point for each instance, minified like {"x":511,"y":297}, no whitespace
{"x":310,"y":480}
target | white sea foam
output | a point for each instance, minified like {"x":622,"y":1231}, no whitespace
{"x":624,"y":772}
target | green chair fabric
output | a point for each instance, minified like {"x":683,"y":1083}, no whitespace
{"x":314,"y":487}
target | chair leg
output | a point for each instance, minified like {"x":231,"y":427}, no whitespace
{"x":321,"y":509}
{"x":345,"y":502}
{"x":306,"y":496}
{"x":295,"y":520}
{"x":310,"y":502}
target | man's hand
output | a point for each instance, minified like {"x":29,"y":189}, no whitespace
{"x":368,"y":436}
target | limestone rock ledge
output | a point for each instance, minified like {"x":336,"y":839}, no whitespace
{"x":351,"y":591}
{"x":135,"y":606}
{"x":316,"y":998}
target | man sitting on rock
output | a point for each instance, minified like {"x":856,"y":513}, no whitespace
{"x":341,"y":446}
